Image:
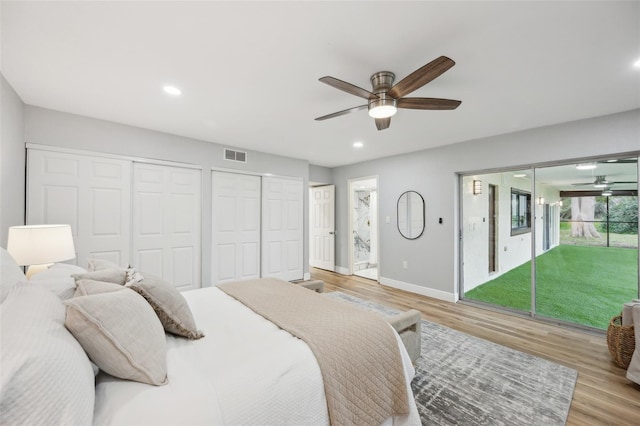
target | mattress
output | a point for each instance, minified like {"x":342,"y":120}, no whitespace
{"x":246,"y":371}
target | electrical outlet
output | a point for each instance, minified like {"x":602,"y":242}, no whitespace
{"x":405,"y":264}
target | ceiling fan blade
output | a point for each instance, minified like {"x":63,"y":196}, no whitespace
{"x":622,"y":182}
{"x":420,"y":77}
{"x":348,"y":87}
{"x":428,"y":103}
{"x":383,"y":123}
{"x":343,"y":112}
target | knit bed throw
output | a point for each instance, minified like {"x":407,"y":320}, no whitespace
{"x":356,"y":350}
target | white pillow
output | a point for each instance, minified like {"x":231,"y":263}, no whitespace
{"x":58,"y":279}
{"x":10,"y":272}
{"x":100,"y":264}
{"x":121,"y":334}
{"x":46,"y":377}
{"x":71,"y":269}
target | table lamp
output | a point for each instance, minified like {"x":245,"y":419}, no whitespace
{"x":39,"y":246}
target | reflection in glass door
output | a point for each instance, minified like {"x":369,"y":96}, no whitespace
{"x":496,"y":238}
{"x":575,"y":225}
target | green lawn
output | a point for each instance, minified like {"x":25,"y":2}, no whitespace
{"x":585,"y":285}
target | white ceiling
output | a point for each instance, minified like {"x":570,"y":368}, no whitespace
{"x":249,"y":70}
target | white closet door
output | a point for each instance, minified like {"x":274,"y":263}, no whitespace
{"x":92,"y":194}
{"x":282,"y":233}
{"x":236,"y":227}
{"x":167,"y":223}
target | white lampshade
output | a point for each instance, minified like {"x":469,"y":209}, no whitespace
{"x":40,"y":244}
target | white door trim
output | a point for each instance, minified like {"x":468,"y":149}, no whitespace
{"x":350,"y":184}
{"x":112,"y":156}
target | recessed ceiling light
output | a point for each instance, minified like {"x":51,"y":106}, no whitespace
{"x":172,"y":90}
{"x":586,"y":166}
{"x":358,"y":144}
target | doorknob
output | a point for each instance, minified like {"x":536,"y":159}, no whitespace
{"x":331,"y":233}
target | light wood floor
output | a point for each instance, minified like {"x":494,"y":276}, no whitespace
{"x":603,"y":395}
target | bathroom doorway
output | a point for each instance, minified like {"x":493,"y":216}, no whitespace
{"x":363,"y":223}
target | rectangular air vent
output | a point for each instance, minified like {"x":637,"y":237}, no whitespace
{"x":232,"y":155}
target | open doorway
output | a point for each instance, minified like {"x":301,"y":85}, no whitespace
{"x":363,"y":223}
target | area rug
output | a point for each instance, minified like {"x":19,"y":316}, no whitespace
{"x":464,"y":380}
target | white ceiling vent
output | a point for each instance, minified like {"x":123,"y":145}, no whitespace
{"x":232,"y":155}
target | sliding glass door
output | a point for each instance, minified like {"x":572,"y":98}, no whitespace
{"x":558,"y":242}
{"x":496,"y":231}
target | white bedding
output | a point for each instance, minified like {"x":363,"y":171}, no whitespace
{"x":246,"y":371}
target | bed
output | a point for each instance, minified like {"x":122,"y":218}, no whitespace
{"x":244,"y":371}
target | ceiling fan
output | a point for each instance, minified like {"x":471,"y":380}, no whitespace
{"x":385,"y":98}
{"x":602,"y":182}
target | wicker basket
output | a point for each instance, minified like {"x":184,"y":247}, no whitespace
{"x":621,"y":341}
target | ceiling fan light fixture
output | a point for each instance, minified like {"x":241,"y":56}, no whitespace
{"x":382,"y":108}
{"x":606,"y":192}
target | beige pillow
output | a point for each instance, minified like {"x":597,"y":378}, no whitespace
{"x":116,"y":276}
{"x":121,"y":334}
{"x":85,"y":287}
{"x":170,"y":306}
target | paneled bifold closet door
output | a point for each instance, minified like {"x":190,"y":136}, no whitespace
{"x":282,"y":233}
{"x":167,"y":223}
{"x":92,"y":194}
{"x":236,"y":216}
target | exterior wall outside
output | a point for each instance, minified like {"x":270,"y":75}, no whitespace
{"x":433,"y":258}
{"x":12,"y":160}
{"x":54,"y":128}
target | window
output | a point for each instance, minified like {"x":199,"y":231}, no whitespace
{"x":520,"y":211}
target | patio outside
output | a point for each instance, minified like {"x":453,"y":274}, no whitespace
{"x":588,"y":276}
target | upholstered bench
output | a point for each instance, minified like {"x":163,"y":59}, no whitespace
{"x":406,"y":324}
{"x":315,"y":285}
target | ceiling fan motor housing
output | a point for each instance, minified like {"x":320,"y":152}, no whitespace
{"x":381,"y":82}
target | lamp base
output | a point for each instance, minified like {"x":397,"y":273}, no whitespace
{"x":34,"y":269}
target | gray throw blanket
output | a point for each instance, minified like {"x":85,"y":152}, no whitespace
{"x":356,"y":350}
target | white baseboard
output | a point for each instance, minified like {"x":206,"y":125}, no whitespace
{"x":341,"y":270}
{"x":306,"y":276}
{"x":418,"y":289}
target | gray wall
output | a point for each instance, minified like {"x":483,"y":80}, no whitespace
{"x":12,"y":160}
{"x":48,"y":127}
{"x":433,"y":258}
{"x":319,"y":174}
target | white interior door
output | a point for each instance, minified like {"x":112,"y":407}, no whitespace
{"x":322,"y":227}
{"x":235,"y":226}
{"x":167,"y":223}
{"x":92,"y":194}
{"x":282,"y":233}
